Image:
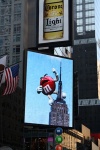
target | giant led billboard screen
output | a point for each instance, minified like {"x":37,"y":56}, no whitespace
{"x":49,"y":90}
{"x":55,"y":22}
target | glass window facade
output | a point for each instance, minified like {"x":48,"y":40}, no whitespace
{"x":90,"y":27}
{"x":79,"y":21}
{"x":79,"y":7}
{"x":79,"y":15}
{"x":17,"y":8}
{"x":85,"y":16}
{"x":90,"y":20}
{"x":89,"y":6}
{"x":89,"y":1}
{"x":79,"y":1}
{"x":89,"y":13}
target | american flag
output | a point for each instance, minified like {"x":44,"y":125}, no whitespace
{"x":11,"y":77}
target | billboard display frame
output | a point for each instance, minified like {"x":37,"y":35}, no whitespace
{"x":67,"y":26}
{"x":25,"y":80}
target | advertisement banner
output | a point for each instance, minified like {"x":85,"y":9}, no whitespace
{"x":49,"y":90}
{"x":55,"y":22}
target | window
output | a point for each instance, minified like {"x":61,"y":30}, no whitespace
{"x":79,"y":7}
{"x":1,"y":30}
{"x":80,"y":29}
{"x":7,"y":40}
{"x":17,"y":17}
{"x":17,"y":28}
{"x":7,"y":19}
{"x":15,"y":59}
{"x":1,"y":41}
{"x":79,"y":1}
{"x":3,"y":2}
{"x":2,"y":10}
{"x":1,"y":50}
{"x":7,"y":29}
{"x":79,"y":15}
{"x":2,"y":20}
{"x":90,"y":20}
{"x":90,"y":27}
{"x":6,"y":49}
{"x":16,"y":49}
{"x":89,"y":13}
{"x":17,"y":8}
{"x":89,"y":6}
{"x":8,"y":10}
{"x":79,"y":21}
{"x":16,"y":38}
{"x":5,"y":10}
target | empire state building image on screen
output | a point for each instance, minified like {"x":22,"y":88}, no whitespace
{"x":59,"y":110}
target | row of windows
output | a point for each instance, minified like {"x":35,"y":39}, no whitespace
{"x":6,"y":20}
{"x":87,"y":14}
{"x":16,"y":49}
{"x":3,"y":2}
{"x":5,"y":41}
{"x":7,"y":29}
{"x":87,"y":21}
{"x":88,"y":28}
{"x":86,"y":1}
{"x":6,"y":2}
{"x":87,"y":7}
{"x":7,"y":10}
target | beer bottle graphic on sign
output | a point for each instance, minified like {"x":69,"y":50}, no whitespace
{"x":53,"y":20}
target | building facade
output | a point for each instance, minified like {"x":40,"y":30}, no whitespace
{"x":58,"y":115}
{"x":11,"y":120}
{"x":12,"y":37}
{"x":89,"y":113}
{"x":86,"y":55}
{"x":85,"y":48}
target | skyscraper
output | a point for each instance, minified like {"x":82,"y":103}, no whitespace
{"x":86,"y":57}
{"x":59,"y":111}
{"x":85,"y":48}
{"x":12,"y":43}
{"x":12,"y":35}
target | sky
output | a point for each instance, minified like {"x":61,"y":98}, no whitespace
{"x":37,"y":107}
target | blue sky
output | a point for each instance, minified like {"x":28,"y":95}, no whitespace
{"x":37,"y":107}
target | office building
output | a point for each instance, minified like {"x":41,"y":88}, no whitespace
{"x":89,"y":113}
{"x":12,"y":35}
{"x":85,"y":48}
{"x":11,"y":120}
{"x":86,"y":55}
{"x":12,"y":44}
